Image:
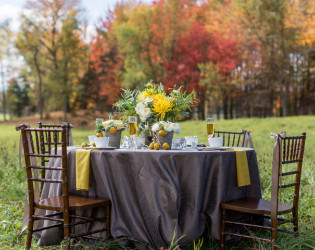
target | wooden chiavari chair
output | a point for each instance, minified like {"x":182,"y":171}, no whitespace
{"x":288,"y":151}
{"x":47,"y":143}
{"x":232,"y":139}
{"x":69,"y":126}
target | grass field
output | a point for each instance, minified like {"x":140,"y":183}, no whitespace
{"x":13,"y":185}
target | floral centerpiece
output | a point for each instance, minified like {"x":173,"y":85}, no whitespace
{"x":153,"y":105}
{"x":163,"y":133}
{"x":112,"y":128}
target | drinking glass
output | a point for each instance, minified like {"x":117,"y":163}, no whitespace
{"x":210,"y":126}
{"x":140,"y":142}
{"x":191,"y":141}
{"x":176,"y":143}
{"x":132,"y":124}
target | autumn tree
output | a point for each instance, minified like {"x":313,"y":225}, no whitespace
{"x":28,"y":44}
{"x":274,"y":46}
{"x":58,"y":38}
{"x":105,"y":65}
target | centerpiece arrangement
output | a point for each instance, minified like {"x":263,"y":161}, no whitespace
{"x":112,"y":129}
{"x":155,"y":109}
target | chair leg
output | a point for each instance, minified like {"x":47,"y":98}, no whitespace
{"x":108,"y":232}
{"x":274,"y":233}
{"x":30,"y":227}
{"x":29,"y":233}
{"x":223,"y":229}
{"x":68,"y":247}
{"x":295,"y":222}
{"x":66,"y":228}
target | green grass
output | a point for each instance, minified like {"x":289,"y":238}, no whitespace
{"x":13,"y":185}
{"x":2,"y":117}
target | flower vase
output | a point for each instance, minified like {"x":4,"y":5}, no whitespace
{"x":114,"y":139}
{"x":162,"y":139}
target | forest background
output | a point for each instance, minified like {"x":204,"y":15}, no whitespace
{"x":242,"y":58}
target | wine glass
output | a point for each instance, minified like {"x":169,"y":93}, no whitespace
{"x":132,"y":124}
{"x":210,"y":126}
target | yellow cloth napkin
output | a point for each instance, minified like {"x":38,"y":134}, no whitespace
{"x":82,"y":162}
{"x":242,"y":170}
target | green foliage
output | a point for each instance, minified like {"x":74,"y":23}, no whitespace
{"x":18,"y":96}
{"x":13,"y":184}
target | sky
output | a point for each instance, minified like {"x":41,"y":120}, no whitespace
{"x":94,"y":9}
{"x":11,"y":9}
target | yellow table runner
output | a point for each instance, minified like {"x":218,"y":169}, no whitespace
{"x":242,"y":170}
{"x":82,"y":162}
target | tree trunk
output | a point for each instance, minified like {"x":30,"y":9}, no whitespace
{"x":39,"y":75}
{"x":206,"y":103}
{"x":4,"y":103}
{"x":284,"y":101}
{"x":231,"y":108}
{"x":225,"y":105}
{"x":66,"y":107}
{"x":218,"y":112}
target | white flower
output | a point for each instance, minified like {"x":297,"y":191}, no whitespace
{"x":139,"y":108}
{"x":146,"y":112}
{"x":148,"y":100}
{"x":143,"y":118}
{"x":177,"y":128}
{"x":168,"y":127}
{"x":141,"y":97}
{"x":155,"y":127}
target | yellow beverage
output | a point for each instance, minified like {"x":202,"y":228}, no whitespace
{"x":210,"y":128}
{"x":132,"y":128}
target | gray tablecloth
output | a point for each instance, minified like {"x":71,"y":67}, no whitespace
{"x":154,"y":193}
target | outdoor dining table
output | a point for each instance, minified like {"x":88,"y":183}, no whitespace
{"x":155,"y":193}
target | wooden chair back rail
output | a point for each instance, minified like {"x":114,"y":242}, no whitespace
{"x":230,"y":138}
{"x":41,"y":125}
{"x":46,"y":180}
{"x":67,"y":124}
{"x":292,"y":148}
{"x":289,"y":185}
{"x":46,"y":155}
{"x":46,"y":168}
{"x":290,"y":173}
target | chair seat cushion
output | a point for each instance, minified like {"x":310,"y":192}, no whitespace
{"x":255,"y":206}
{"x":75,"y":202}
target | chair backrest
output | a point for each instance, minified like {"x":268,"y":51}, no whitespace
{"x":231,"y":139}
{"x":287,"y":162}
{"x":69,"y":126}
{"x":40,"y":145}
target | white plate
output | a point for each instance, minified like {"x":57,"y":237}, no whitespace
{"x":95,"y":148}
{"x":214,"y":148}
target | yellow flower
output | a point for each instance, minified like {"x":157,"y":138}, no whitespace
{"x":117,"y":123}
{"x":147,"y":93}
{"x":161,"y":105}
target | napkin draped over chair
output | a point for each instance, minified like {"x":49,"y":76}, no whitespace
{"x":82,"y":169}
{"x":242,"y":170}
